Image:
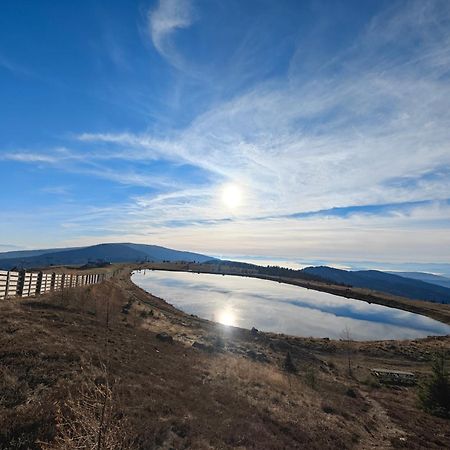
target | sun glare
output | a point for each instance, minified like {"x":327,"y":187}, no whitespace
{"x":232,"y":196}
{"x":226,"y":318}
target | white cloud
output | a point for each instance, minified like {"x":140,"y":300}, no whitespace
{"x":27,"y":157}
{"x":419,"y":235}
{"x":56,"y":190}
{"x":294,"y":161}
{"x":371,"y":134}
{"x":94,"y":164}
{"x":169,"y":17}
{"x":375,"y":132}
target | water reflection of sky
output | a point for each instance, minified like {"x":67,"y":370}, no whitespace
{"x":282,"y":308}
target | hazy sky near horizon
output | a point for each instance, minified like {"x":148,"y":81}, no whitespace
{"x":317,"y":130}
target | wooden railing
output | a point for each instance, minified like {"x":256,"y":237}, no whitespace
{"x":29,"y":284}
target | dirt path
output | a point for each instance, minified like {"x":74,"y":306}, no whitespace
{"x":384,"y":430}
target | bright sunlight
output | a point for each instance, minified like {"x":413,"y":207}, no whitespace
{"x":232,"y":196}
{"x":227,"y":317}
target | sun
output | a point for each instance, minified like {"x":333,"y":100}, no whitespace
{"x":232,"y":196}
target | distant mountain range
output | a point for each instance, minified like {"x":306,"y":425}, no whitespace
{"x":113,"y":253}
{"x":427,"y":277}
{"x":384,"y":282}
{"x":27,"y":253}
{"x":367,"y":279}
{"x":413,"y":285}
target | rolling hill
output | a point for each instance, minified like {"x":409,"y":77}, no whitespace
{"x":427,"y":277}
{"x":27,"y":253}
{"x":383,"y":282}
{"x":367,"y":279}
{"x":113,"y":253}
{"x":131,"y":253}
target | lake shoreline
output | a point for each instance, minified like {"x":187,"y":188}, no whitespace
{"x":284,"y":308}
{"x":436,"y":311}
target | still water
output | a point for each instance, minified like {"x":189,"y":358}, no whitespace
{"x":282,"y":308}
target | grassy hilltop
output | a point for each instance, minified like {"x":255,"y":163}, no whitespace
{"x":110,"y":366}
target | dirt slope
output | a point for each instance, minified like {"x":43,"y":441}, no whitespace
{"x":86,"y":366}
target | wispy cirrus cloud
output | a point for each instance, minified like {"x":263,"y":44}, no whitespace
{"x":29,"y":157}
{"x":354,"y":160}
{"x":417,"y":234}
{"x":164,"y":21}
{"x":100,"y":164}
{"x":373,"y":134}
{"x":56,"y":190}
{"x":317,"y":164}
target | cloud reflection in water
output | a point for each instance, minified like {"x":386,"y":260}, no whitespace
{"x":282,"y":308}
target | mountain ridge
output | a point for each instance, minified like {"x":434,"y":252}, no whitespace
{"x":424,"y":276}
{"x":127,"y":252}
{"x":111,"y":252}
{"x":384,"y":282}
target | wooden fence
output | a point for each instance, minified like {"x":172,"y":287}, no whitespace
{"x":28,"y":284}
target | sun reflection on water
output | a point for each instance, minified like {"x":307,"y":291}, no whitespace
{"x":226,"y":317}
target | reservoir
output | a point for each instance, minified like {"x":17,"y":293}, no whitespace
{"x":283,"y":308}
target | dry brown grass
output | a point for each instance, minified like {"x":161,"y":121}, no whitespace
{"x":54,"y":352}
{"x":291,"y":400}
{"x":90,"y":418}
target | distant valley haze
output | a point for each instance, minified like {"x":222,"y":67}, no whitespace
{"x":421,"y":286}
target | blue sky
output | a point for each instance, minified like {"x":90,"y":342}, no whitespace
{"x":327,"y":120}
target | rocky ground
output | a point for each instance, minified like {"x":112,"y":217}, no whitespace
{"x":110,"y":366}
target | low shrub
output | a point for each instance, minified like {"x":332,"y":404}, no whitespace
{"x":434,"y":394}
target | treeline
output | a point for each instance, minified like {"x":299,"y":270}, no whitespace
{"x":269,"y":270}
